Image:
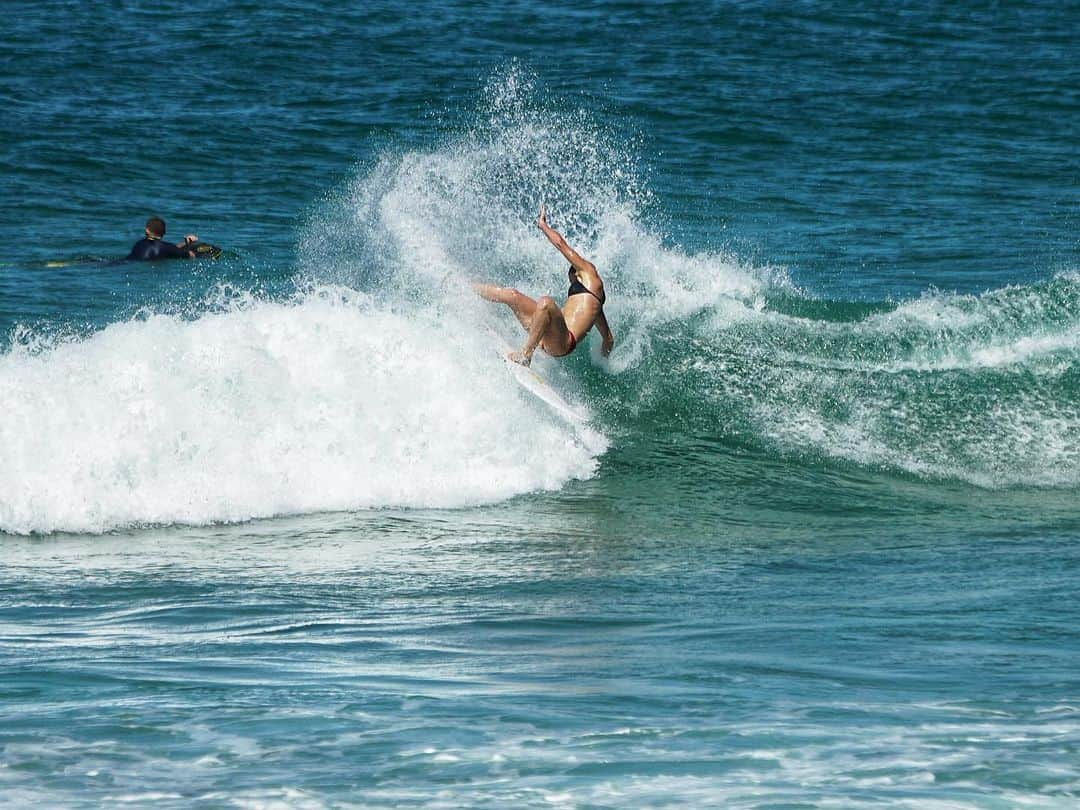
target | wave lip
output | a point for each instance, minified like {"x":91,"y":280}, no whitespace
{"x":320,"y":404}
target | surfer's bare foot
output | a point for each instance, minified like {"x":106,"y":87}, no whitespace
{"x":519,"y":358}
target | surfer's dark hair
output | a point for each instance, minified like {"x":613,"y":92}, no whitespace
{"x":156,"y":226}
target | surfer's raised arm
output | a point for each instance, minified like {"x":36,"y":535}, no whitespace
{"x":584,"y":265}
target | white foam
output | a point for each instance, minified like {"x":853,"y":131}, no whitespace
{"x":327,"y":402}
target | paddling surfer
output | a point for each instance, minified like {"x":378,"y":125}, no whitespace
{"x":153,"y":245}
{"x":557,"y":331}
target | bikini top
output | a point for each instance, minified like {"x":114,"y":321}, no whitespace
{"x":577,"y":288}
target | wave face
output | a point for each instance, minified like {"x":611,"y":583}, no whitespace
{"x":379,"y":385}
{"x":974,"y":389}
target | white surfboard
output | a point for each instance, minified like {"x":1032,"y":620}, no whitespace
{"x":536,"y":385}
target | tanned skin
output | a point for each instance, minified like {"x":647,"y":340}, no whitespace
{"x":548,"y":325}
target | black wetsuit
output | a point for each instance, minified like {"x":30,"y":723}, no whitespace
{"x":148,"y":249}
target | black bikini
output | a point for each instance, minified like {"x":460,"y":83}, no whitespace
{"x":577,"y":288}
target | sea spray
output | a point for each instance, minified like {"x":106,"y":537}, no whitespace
{"x":975,"y":388}
{"x":466,"y":209}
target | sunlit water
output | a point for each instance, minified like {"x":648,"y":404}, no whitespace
{"x":279,"y":530}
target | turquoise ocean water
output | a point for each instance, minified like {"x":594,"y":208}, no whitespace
{"x":278,"y":530}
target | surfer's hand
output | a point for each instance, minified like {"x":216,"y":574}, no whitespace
{"x":607,"y":345}
{"x":190,"y":238}
{"x":541,"y":221}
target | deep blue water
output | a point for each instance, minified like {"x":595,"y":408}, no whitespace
{"x":279,"y":530}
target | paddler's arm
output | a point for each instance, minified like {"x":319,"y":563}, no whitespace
{"x":583,"y":265}
{"x":605,"y":333}
{"x":188,"y":240}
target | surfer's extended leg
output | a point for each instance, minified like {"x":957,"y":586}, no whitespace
{"x":542,"y":319}
{"x":521,"y":305}
{"x":548,"y":326}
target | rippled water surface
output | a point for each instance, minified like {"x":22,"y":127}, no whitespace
{"x":278,"y":530}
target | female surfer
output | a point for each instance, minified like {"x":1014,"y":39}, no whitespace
{"x":557,"y":331}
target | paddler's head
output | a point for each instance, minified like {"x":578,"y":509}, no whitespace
{"x":155,"y":228}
